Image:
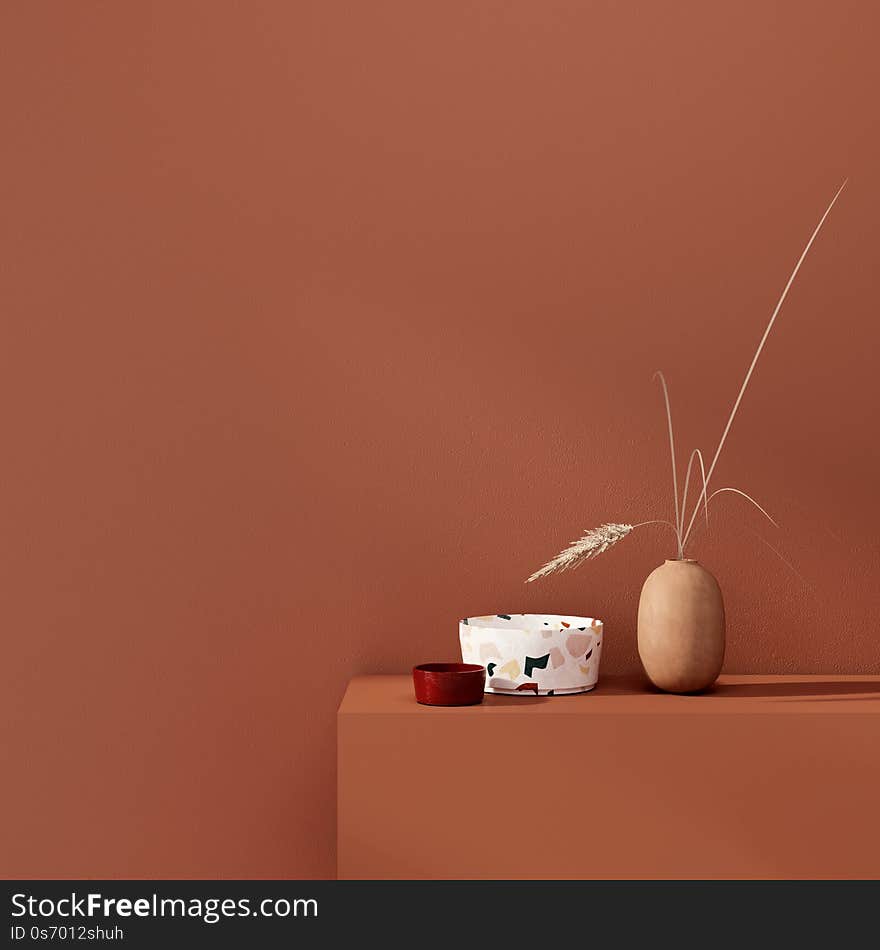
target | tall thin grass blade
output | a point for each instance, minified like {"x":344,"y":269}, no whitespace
{"x":696,"y":454}
{"x":679,"y":518}
{"x":742,"y":390}
{"x":718,"y":491}
{"x":784,"y":560}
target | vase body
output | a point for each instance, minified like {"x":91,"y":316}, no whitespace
{"x":681,"y":627}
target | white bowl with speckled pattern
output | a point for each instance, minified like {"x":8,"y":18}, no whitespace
{"x":534,"y":654}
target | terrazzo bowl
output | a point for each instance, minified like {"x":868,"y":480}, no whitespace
{"x":534,"y":654}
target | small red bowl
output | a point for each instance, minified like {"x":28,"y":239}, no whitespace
{"x":449,"y":684}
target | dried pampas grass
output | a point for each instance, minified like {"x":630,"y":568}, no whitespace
{"x":598,"y":540}
{"x":592,"y":544}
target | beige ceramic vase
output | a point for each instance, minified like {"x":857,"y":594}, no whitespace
{"x":681,"y":627}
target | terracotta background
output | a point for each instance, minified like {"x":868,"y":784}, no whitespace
{"x":326,"y":323}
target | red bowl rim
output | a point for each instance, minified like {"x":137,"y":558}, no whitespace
{"x":450,"y":669}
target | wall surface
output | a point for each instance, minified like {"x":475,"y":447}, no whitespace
{"x":325,"y":323}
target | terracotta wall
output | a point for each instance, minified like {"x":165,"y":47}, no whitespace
{"x":326,"y":323}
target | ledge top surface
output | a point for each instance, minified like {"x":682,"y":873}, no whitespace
{"x":621,"y":695}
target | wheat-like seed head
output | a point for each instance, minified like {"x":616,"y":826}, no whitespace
{"x":593,"y":543}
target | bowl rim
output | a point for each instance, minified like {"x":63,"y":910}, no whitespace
{"x":450,"y":669}
{"x":555,"y":622}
